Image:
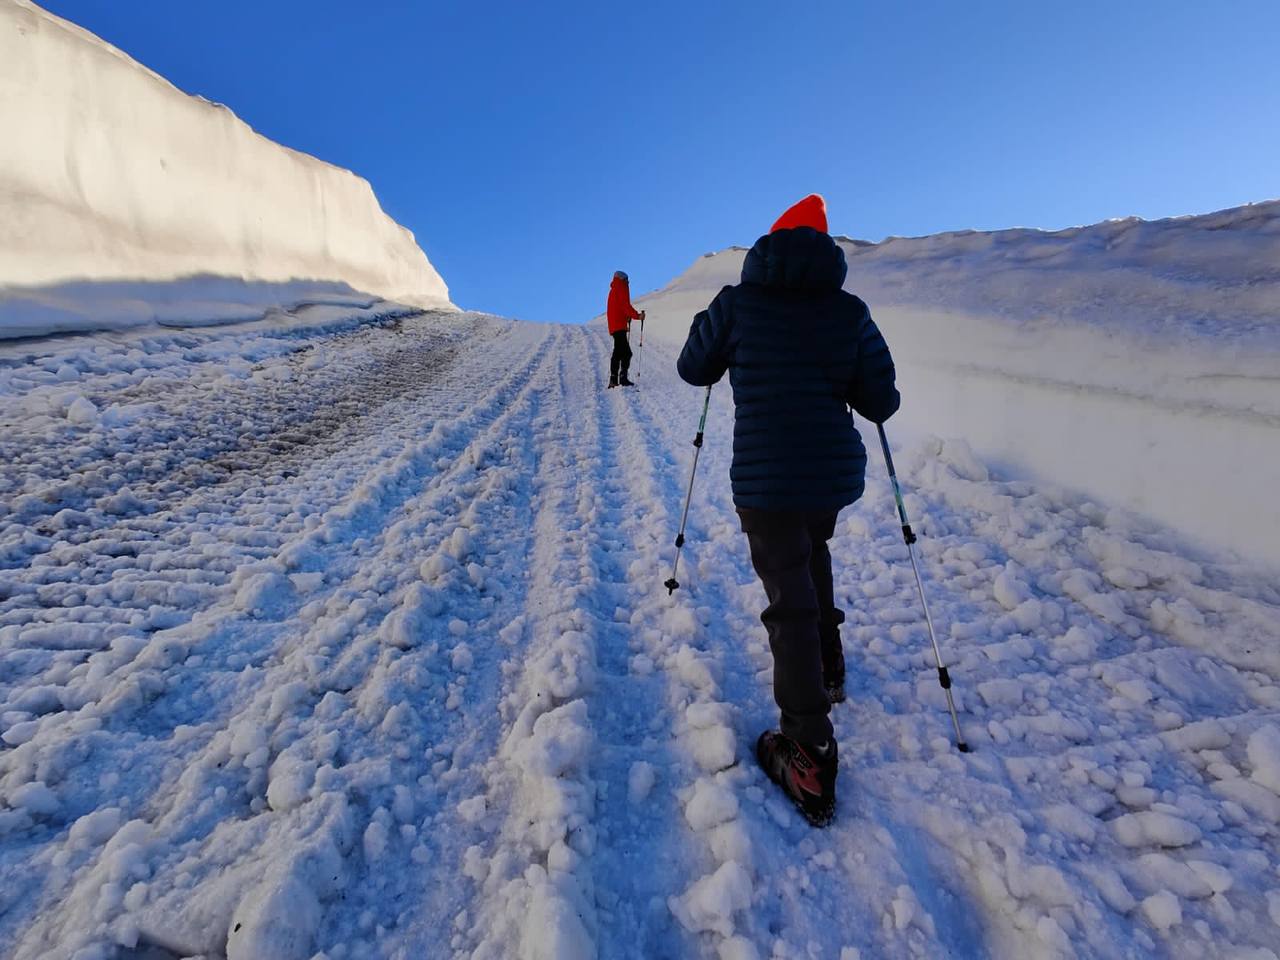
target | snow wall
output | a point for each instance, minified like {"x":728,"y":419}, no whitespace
{"x":110,"y":173}
{"x":1137,"y":362}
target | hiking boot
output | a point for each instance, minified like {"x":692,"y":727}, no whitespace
{"x":803,"y":773}
{"x":624,"y":382}
{"x":613,"y":381}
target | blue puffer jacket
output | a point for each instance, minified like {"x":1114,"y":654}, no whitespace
{"x":799,"y":351}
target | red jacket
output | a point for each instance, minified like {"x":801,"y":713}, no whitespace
{"x":620,"y":309}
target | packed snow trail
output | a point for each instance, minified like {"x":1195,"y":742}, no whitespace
{"x":351,"y":641}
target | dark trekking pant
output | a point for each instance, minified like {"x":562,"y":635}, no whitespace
{"x":790,"y":555}
{"x":621,"y":359}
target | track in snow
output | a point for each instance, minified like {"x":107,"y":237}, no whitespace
{"x":355,"y":642}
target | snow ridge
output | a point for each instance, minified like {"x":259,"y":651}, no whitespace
{"x":1131,"y":361}
{"x":110,"y":173}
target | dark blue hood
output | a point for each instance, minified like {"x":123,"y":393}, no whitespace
{"x":800,"y":259}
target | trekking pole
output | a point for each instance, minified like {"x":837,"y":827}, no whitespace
{"x":672,"y":584}
{"x":909,"y":537}
{"x":640,"y":349}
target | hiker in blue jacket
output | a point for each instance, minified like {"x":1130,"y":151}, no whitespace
{"x":799,"y":352}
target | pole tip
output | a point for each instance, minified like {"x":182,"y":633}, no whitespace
{"x":964,"y":747}
{"x":671,"y":586}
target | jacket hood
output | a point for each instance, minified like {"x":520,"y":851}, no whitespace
{"x":799,"y":259}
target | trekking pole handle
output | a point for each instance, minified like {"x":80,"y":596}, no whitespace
{"x":702,"y":421}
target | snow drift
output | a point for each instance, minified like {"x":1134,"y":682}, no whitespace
{"x":109,"y":173}
{"x":1132,"y":360}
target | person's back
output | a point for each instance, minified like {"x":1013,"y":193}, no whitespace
{"x":799,"y":352}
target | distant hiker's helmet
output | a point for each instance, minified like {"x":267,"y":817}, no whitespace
{"x":809,"y":212}
{"x":619,"y":275}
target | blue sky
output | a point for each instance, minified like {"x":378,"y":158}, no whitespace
{"x":534,"y":148}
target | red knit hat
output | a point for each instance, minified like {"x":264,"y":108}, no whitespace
{"x":809,"y":212}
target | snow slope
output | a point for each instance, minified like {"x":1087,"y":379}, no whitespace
{"x":1133,"y":361}
{"x":109,"y":173}
{"x":349,"y":640}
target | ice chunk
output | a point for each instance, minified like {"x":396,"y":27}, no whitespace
{"x":1264,"y":756}
{"x":289,"y":782}
{"x":278,"y":918}
{"x":21,"y":732}
{"x":1204,"y":735}
{"x":561,"y":740}
{"x":461,"y":545}
{"x":711,"y":804}
{"x":35,"y":798}
{"x":473,"y":809}
{"x":1257,"y":799}
{"x":553,"y":927}
{"x":95,"y":829}
{"x":1009,"y":591}
{"x":376,"y":838}
{"x":1217,"y":877}
{"x":711,"y":902}
{"x":1110,"y":887}
{"x":1159,"y":871}
{"x":1162,"y":910}
{"x":714,"y":748}
{"x":285,"y":699}
{"x":262,"y":593}
{"x":640,"y":781}
{"x":1078,"y":645}
{"x":694,"y":670}
{"x":1004,"y":692}
{"x":82,"y":412}
{"x":1153,"y":828}
{"x":462,"y":658}
{"x":737,"y":948}
{"x":1071,"y":821}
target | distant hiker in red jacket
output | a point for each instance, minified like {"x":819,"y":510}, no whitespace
{"x":620,"y":314}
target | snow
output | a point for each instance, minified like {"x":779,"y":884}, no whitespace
{"x":125,"y":184}
{"x":251,"y":676}
{"x":333,"y":627}
{"x":1130,"y":361}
